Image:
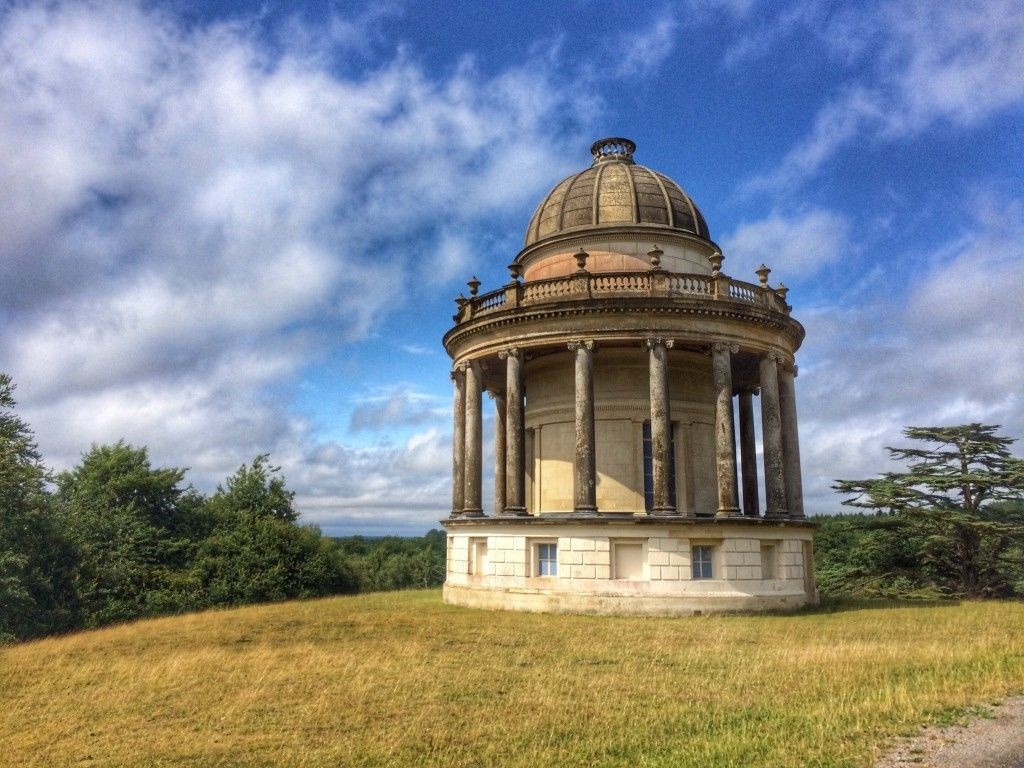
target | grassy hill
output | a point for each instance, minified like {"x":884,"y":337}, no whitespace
{"x":400,"y":679}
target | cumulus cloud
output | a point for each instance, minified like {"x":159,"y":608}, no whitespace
{"x":794,"y":245}
{"x":400,"y":407}
{"x":190,"y":214}
{"x":915,"y":64}
{"x":943,"y":350}
{"x":381,"y":489}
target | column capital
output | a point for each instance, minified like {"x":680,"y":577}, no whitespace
{"x":725,"y":346}
{"x":459,"y":368}
{"x":510,"y":352}
{"x":581,"y":344}
{"x":774,"y":354}
{"x":666,"y":343}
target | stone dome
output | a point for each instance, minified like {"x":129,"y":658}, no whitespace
{"x":614,"y":192}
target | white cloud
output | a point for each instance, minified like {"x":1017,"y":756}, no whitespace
{"x":945,"y":350}
{"x":644,"y":51}
{"x":196,"y":215}
{"x":397,"y":407}
{"x":794,"y":246}
{"x":925,"y":63}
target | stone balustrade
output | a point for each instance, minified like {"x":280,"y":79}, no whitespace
{"x":584,"y":285}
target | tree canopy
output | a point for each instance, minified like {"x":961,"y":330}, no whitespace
{"x":956,"y":521}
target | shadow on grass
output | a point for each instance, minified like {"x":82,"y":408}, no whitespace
{"x":842,"y":603}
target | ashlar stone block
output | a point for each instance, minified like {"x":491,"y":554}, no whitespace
{"x":569,"y":558}
{"x":595,"y":558}
{"x":657,"y":558}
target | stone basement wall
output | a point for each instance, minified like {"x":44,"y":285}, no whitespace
{"x":587,"y":562}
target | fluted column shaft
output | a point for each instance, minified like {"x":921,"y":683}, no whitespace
{"x":748,"y":454}
{"x":725,"y":434}
{"x":771,"y":437}
{"x":459,"y":441}
{"x":499,"y":453}
{"x":515,"y":449}
{"x":661,"y":425}
{"x":791,"y":442}
{"x":474,"y":445}
{"x":584,"y":469}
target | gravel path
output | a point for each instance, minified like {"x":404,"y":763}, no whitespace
{"x":996,"y":742}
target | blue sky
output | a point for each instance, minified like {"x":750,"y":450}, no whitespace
{"x":235,"y":228}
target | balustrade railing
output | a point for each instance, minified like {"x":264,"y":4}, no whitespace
{"x":588,"y":285}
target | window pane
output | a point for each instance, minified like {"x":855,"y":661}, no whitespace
{"x":547,"y":559}
{"x":701,"y":562}
{"x":649,"y":467}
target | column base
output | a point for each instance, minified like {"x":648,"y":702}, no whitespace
{"x":514,"y":511}
{"x":664,"y":511}
{"x":776,"y":514}
{"x":587,"y":510}
{"x":728,"y":512}
{"x":473,"y":512}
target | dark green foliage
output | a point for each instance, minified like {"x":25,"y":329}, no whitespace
{"x":256,"y":490}
{"x":120,"y":539}
{"x":36,"y":590}
{"x":952,"y":524}
{"x":393,"y":562}
{"x":257,"y":553}
{"x":134,"y":529}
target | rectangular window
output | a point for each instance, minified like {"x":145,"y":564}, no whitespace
{"x":767,"y":561}
{"x":547,"y":559}
{"x":701,"y":557}
{"x":649,"y":467}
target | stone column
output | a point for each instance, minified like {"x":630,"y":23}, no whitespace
{"x":661,"y":425}
{"x":771,"y":437}
{"x":725,"y":434}
{"x":748,"y":454}
{"x":515,"y":449}
{"x":584,"y":468}
{"x":499,"y":453}
{"x":459,"y":441}
{"x":791,"y":442}
{"x":474,"y":446}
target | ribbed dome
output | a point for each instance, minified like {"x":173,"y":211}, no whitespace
{"x":615,"y":191}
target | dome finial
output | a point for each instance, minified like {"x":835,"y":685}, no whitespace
{"x":615,"y":148}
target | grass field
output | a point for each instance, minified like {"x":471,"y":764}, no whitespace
{"x":400,"y":679}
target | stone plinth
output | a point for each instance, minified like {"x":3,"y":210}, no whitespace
{"x":619,"y":565}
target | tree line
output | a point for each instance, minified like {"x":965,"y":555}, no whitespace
{"x":115,"y":538}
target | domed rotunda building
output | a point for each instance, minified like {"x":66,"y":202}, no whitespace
{"x":617,"y":357}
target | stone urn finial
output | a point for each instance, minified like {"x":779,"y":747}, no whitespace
{"x":581,"y":260}
{"x":474,"y":286}
{"x":782,"y":291}
{"x":655,"y":257}
{"x":716,"y":260}
{"x":762,"y":275}
{"x":515,"y":269}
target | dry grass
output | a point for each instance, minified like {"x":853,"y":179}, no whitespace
{"x":400,"y":679}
